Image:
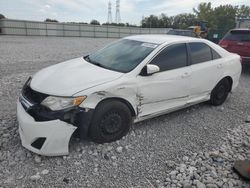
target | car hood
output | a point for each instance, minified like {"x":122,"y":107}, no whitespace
{"x":70,"y":77}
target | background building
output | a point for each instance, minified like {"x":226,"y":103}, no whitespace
{"x":243,"y":22}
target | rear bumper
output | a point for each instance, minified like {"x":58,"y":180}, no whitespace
{"x":56,"y":133}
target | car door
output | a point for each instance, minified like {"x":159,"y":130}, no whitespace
{"x":168,"y":88}
{"x":206,"y":70}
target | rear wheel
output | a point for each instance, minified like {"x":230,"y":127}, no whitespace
{"x":220,"y":92}
{"x":111,"y":121}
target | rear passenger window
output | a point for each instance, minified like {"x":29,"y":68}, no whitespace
{"x":200,"y":52}
{"x":172,"y":57}
{"x":238,"y":35}
{"x":215,"y":54}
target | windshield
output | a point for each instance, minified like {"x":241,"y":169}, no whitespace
{"x":122,"y":56}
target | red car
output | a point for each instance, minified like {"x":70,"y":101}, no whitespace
{"x":238,"y":41}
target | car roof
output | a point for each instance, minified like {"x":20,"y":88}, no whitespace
{"x":160,"y":39}
{"x":240,"y":29}
{"x":167,"y":39}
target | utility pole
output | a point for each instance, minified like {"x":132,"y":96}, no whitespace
{"x":109,"y":13}
{"x":117,"y":13}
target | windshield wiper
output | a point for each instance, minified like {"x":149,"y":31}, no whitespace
{"x":99,"y":64}
{"x":87,"y":58}
{"x":93,"y":62}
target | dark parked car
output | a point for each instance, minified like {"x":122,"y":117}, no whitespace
{"x":188,"y":33}
{"x":238,"y":41}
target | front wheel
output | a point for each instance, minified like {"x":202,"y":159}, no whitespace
{"x":220,"y":92}
{"x":111,"y":121}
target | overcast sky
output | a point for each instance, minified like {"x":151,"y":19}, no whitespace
{"x":86,"y":10}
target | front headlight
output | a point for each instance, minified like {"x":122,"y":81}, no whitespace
{"x":59,"y":103}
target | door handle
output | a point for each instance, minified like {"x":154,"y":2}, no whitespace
{"x":186,"y":74}
{"x":219,"y":66}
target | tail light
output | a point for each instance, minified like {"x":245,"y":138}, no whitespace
{"x":224,"y":43}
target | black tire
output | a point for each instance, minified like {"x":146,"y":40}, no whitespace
{"x":220,"y":92}
{"x":111,"y":121}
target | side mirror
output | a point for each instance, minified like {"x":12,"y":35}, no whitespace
{"x":149,"y":70}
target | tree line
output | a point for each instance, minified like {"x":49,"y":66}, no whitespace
{"x":221,"y":17}
{"x":95,"y":22}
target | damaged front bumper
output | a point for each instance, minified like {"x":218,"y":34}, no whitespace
{"x":48,"y":132}
{"x":49,"y":138}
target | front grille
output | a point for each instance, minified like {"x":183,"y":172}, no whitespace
{"x":33,"y":96}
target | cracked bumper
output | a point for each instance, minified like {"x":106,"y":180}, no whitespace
{"x":55,"y":132}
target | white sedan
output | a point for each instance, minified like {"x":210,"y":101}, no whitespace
{"x":130,"y":80}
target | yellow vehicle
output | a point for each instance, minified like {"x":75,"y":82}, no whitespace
{"x":200,"y":29}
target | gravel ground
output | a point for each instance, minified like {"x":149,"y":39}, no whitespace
{"x":185,"y":148}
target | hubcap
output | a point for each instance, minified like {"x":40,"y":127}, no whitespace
{"x":111,"y":123}
{"x":221,"y":92}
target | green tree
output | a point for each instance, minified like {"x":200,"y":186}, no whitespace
{"x":165,"y":21}
{"x":2,"y":16}
{"x":117,"y":24}
{"x":243,"y":11}
{"x":94,"y":22}
{"x":180,"y":21}
{"x":152,"y":22}
{"x":205,"y":12}
{"x":183,"y":21}
{"x":224,"y":17}
{"x":221,"y":17}
{"x":50,"y":20}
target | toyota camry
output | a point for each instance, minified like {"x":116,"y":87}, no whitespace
{"x":99,"y":96}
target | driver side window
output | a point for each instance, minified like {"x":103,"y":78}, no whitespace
{"x":172,"y":57}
